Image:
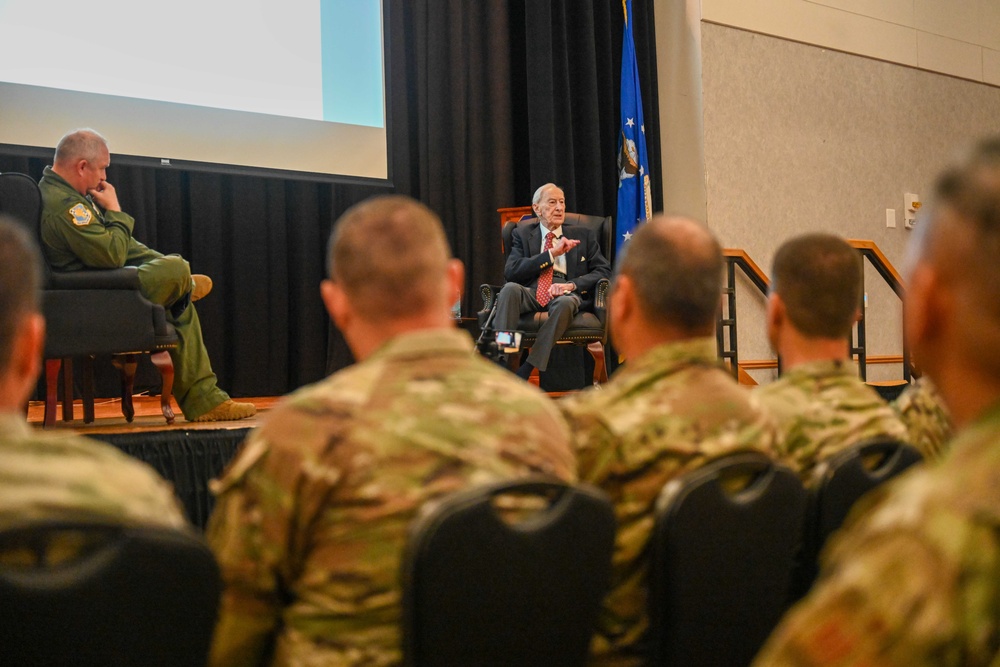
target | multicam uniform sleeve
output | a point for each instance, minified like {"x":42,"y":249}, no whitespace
{"x":919,"y":596}
{"x":252,"y":534}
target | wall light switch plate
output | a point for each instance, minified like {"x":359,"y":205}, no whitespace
{"x":890,"y":217}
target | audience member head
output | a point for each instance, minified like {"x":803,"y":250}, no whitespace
{"x":81,"y":158}
{"x":816,"y":289}
{"x":549,"y":204}
{"x":668,"y":285}
{"x":953,"y":284}
{"x":22,"y":329}
{"x":390,"y":271}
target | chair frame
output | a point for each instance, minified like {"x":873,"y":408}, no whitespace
{"x":675,"y":580}
{"x":498,"y":616}
{"x":126,"y":599}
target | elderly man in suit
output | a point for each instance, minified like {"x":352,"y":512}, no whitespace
{"x":552,"y":266}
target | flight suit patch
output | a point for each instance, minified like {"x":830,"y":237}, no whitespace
{"x":81,"y":215}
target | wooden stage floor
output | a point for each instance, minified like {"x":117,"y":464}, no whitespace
{"x":108,"y":416}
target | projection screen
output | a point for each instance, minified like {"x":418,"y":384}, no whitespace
{"x":295,"y":86}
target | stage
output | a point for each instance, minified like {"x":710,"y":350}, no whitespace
{"x":187,"y":454}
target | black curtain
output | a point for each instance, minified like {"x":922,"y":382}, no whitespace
{"x":488,"y":100}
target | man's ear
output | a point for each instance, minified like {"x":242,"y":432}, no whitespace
{"x":926,"y":307}
{"x":80,"y":166}
{"x":338,"y":306}
{"x":621,"y":301}
{"x":26,"y":354}
{"x":776,"y":316}
{"x":455,"y":277}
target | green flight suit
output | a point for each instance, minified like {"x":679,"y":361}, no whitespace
{"x":77,"y":235}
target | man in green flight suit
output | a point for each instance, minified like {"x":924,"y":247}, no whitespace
{"x":83,"y":227}
{"x":912,"y":577}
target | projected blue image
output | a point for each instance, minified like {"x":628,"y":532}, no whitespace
{"x":352,"y":62}
{"x":311,"y":59}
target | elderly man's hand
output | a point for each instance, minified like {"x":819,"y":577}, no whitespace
{"x":563,"y":245}
{"x":558,"y":289}
{"x":104,"y":195}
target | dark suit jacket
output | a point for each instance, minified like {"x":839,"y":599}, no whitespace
{"x":585,"y":264}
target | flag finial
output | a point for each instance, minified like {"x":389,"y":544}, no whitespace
{"x":625,"y":11}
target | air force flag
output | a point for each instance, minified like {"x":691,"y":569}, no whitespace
{"x":634,"y":201}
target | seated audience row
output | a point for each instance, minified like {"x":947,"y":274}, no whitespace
{"x":312,"y":515}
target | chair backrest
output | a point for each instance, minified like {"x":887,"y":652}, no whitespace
{"x":722,"y":556}
{"x":478,"y":590}
{"x":838,"y":482}
{"x":602,"y":226}
{"x":89,"y":594}
{"x":21,"y":199}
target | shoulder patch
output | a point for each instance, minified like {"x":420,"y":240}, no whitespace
{"x":81,"y":215}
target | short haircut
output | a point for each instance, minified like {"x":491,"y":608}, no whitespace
{"x":390,"y":256}
{"x":20,"y":283}
{"x":540,"y":192}
{"x":82,"y":144}
{"x":676,"y":267}
{"x":819,"y":278}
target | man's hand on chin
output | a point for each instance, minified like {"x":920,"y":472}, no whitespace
{"x":104,"y":195}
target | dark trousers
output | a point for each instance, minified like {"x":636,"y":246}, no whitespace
{"x":515,"y":300}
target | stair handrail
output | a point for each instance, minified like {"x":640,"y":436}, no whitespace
{"x":869,"y":250}
{"x":736,"y":257}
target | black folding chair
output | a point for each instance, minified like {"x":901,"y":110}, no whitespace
{"x":838,"y":482}
{"x":481,"y":590}
{"x":723,"y":550}
{"x":105,"y":595}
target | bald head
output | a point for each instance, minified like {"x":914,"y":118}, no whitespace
{"x":82,"y":144}
{"x":675,"y":266}
{"x":390,"y":257}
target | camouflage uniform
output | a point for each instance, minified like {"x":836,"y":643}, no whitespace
{"x":63,"y":476}
{"x":822,"y":407}
{"x":664,"y":414}
{"x":927,"y":420}
{"x":913,"y":578}
{"x":77,"y":236}
{"x":312,"y":516}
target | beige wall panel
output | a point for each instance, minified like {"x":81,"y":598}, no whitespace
{"x":799,"y":138}
{"x":989,"y":24}
{"x":950,"y":56}
{"x":817,"y":24}
{"x":893,"y":11}
{"x":958,"y":19}
{"x":991,"y":67}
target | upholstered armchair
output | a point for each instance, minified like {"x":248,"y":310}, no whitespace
{"x":90,"y":313}
{"x":589,"y":329}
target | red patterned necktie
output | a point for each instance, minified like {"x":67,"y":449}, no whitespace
{"x":545,"y":277}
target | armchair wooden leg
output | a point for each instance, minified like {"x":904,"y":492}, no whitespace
{"x":67,"y":375}
{"x":88,"y":389}
{"x":165,"y":365}
{"x":127,"y":364}
{"x":52,"y":367}
{"x":600,"y":364}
